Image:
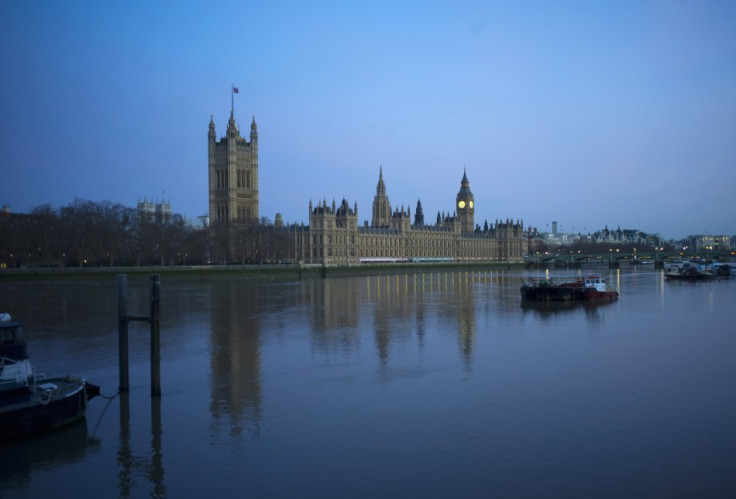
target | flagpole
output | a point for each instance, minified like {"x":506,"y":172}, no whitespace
{"x":232,"y":100}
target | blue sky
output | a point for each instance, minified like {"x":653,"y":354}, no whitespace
{"x":593,"y":114}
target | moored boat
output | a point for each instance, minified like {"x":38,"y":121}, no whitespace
{"x":687,"y":270}
{"x":31,"y":402}
{"x":547,"y":290}
{"x":723,"y":269}
{"x":591,"y":287}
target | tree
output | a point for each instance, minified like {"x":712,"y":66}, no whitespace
{"x":87,"y":233}
{"x":42,"y":241}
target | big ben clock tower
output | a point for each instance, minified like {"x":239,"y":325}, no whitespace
{"x":465,"y":205}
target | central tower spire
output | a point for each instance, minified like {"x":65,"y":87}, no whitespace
{"x":381,"y":206}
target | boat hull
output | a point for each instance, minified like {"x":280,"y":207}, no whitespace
{"x":548,"y":293}
{"x":589,"y":288}
{"x":593,"y":295}
{"x":688,"y":276}
{"x":46,"y":409}
{"x":690,"y":271}
{"x":531,"y":293}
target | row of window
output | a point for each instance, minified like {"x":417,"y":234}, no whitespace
{"x":338,"y":245}
{"x":243,"y":178}
{"x":244,"y":213}
{"x":223,"y":213}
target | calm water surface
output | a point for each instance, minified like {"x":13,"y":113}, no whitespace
{"x":422,"y":385}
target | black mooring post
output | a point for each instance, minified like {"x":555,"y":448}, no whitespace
{"x":155,"y":336}
{"x":123,"y":331}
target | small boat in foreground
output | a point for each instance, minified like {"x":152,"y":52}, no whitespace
{"x":589,"y":288}
{"x":31,"y":402}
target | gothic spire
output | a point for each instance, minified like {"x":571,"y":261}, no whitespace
{"x":381,"y":188}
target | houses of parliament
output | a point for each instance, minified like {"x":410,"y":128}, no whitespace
{"x":334,"y":236}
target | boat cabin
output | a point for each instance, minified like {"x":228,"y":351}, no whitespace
{"x":595,"y":282}
{"x":15,"y":369}
{"x":12,"y":339}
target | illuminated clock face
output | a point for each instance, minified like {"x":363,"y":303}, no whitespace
{"x":470,"y":204}
{"x":461,"y":204}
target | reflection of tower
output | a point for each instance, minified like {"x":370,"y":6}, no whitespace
{"x":465,"y":316}
{"x":393,"y":311}
{"x":236,"y":357}
{"x":465,"y":203}
{"x":335,"y":314}
{"x":420,"y":288}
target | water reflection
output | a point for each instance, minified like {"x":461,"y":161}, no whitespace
{"x":402,"y":304}
{"x":448,"y":376}
{"x":550,"y":311}
{"x":391,"y":314}
{"x":156,"y":470}
{"x":466,"y":318}
{"x":333,"y":315}
{"x":235,"y":360}
{"x":420,"y":315}
{"x":21,"y":458}
{"x":125,"y":453}
{"x":150,"y":464}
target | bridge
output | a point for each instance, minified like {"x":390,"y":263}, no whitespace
{"x":614,"y":258}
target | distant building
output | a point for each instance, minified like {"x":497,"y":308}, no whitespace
{"x":153,"y":211}
{"x":704,"y":242}
{"x":616,"y":237}
{"x":334,"y":235}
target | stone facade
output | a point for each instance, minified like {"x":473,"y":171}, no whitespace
{"x":334,"y":235}
{"x":233,"y":174}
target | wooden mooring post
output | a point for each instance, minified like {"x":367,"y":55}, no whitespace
{"x":155,"y":336}
{"x":123,"y":332}
{"x":154,"y":320}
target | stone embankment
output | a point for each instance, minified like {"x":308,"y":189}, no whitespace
{"x":268,"y":272}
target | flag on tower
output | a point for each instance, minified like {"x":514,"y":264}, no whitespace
{"x":235,"y":90}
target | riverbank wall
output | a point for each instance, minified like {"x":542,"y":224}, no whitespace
{"x":262,"y":272}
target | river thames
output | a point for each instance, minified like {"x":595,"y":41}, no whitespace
{"x":434,"y":384}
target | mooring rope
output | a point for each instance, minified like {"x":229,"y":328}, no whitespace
{"x":109,"y":401}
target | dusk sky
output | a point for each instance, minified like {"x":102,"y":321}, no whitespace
{"x":590,"y":113}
